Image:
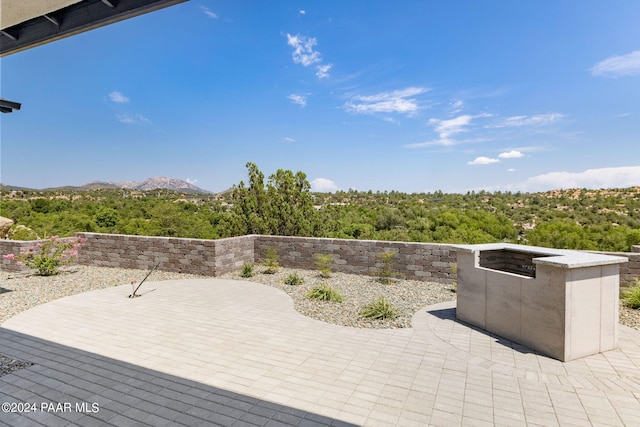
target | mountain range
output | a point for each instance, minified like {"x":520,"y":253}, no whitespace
{"x":160,"y":182}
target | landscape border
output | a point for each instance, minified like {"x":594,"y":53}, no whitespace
{"x":433,"y":262}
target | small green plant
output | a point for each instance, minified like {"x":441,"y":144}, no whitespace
{"x":325,"y":293}
{"x":386,"y":273}
{"x":631,"y":297}
{"x":324,"y":262}
{"x":379,"y":309}
{"x":49,"y":256}
{"x":271,"y":261}
{"x":247,"y":270}
{"x":293,"y":279}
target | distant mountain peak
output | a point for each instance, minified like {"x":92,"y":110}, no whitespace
{"x":159,"y":182}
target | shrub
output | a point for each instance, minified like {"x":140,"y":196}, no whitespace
{"x":20,"y":232}
{"x":631,"y":297}
{"x":271,"y":261}
{"x":247,"y":270}
{"x":325,"y":293}
{"x":293,"y":279}
{"x":47,"y":257}
{"x":324,"y":262}
{"x":379,"y":309}
{"x":106,"y":217}
{"x":386,"y":273}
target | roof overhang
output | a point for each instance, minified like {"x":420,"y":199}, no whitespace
{"x":28,"y":23}
{"x":7,"y":106}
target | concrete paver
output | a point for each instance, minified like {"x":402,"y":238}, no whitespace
{"x":207,"y":352}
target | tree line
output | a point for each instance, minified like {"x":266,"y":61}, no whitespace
{"x":283,"y":204}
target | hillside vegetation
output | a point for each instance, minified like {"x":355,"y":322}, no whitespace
{"x":607,"y":220}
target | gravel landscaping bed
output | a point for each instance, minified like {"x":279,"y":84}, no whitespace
{"x":22,"y":291}
{"x":406,"y":296}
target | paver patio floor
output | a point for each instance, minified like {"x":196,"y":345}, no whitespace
{"x":199,"y":352}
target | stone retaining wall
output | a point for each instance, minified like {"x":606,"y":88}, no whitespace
{"x":232,"y":253}
{"x":13,"y":247}
{"x":197,"y":256}
{"x":629,"y":271}
{"x":416,"y":261}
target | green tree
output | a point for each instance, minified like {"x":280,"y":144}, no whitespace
{"x":560,"y":234}
{"x":291,"y":208}
{"x":106,"y":217}
{"x":283,"y":208}
{"x":250,"y":203}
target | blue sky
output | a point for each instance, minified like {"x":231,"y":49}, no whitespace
{"x":412,"y":96}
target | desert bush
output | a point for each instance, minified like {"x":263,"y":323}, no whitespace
{"x":324,"y":262}
{"x":631,"y":297}
{"x":49,"y":256}
{"x":271,"y":261}
{"x":20,"y":232}
{"x":247,"y":270}
{"x":387,"y":273}
{"x":293,"y":279}
{"x":379,"y":309}
{"x":325,"y":293}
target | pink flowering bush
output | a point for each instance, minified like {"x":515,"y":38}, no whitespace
{"x":48,"y":256}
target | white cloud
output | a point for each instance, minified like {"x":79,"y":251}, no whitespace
{"x":142,"y":119}
{"x":456,"y":106}
{"x":191,"y":181}
{"x":511,"y":170}
{"x":209,"y":13}
{"x":302,"y":12}
{"x":483,"y":161}
{"x":305,"y":55}
{"x":618,"y":66}
{"x":513,"y":154}
{"x":615,"y":177}
{"x":125,"y":118}
{"x":132,"y":120}
{"x":300,"y":100}
{"x":536,"y":120}
{"x":397,"y":101}
{"x":448,"y":128}
{"x":323,"y":185}
{"x":323,"y":71}
{"x":118,"y":97}
{"x":303,"y":52}
{"x":288,"y":139}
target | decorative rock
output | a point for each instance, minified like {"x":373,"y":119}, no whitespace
{"x":22,"y":232}
{"x":5,"y":226}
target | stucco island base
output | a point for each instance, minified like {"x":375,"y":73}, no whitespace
{"x":561,"y":303}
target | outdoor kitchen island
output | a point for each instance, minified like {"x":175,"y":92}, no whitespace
{"x":561,"y":303}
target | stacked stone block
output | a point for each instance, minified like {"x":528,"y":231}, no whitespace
{"x":629,"y":271}
{"x":232,"y":253}
{"x":13,"y":247}
{"x":415,"y":261}
{"x":195,"y":256}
